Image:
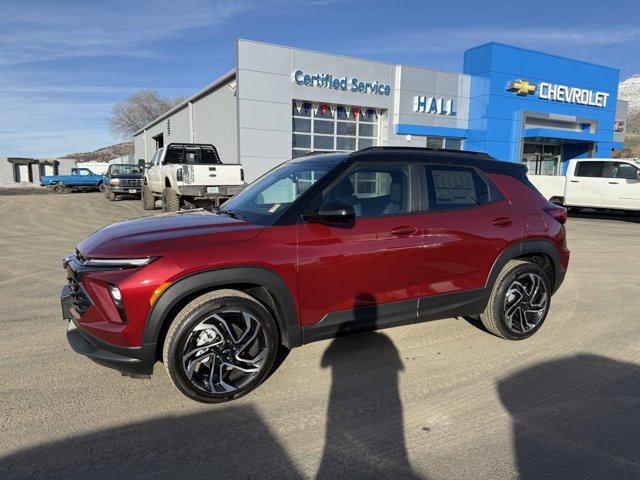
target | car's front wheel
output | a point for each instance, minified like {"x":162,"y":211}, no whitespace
{"x":147,"y":198}
{"x":220,"y":346}
{"x":519,"y":302}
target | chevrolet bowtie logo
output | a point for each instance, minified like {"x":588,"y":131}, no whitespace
{"x":521,"y":87}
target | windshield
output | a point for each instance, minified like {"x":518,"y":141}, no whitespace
{"x":124,"y":170}
{"x":266,"y":198}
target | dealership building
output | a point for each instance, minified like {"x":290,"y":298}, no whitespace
{"x":515,"y":104}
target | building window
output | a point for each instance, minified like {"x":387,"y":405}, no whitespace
{"x":444,"y":142}
{"x":327,"y":128}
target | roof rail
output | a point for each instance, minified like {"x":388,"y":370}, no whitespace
{"x":417,"y":149}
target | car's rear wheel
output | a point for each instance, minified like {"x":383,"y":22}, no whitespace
{"x":170,"y":200}
{"x":220,"y":346}
{"x":519,"y":302}
{"x":147,"y":198}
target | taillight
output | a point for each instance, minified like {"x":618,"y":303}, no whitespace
{"x":179,"y":175}
{"x":558,"y":213}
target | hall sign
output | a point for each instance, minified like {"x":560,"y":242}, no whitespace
{"x":559,"y":93}
{"x":437,"y":105}
{"x":346,"y":84}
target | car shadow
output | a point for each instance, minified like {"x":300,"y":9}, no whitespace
{"x":619,"y":215}
{"x":577,"y":417}
{"x":365,"y":425}
{"x":221,"y":442}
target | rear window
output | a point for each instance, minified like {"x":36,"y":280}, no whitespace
{"x":455,"y":187}
{"x":192,"y":155}
{"x":590,"y":169}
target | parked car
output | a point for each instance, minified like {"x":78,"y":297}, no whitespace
{"x":79,"y":179}
{"x":320,"y":246}
{"x":122,"y":179}
{"x":189,"y":174}
{"x":611,"y":183}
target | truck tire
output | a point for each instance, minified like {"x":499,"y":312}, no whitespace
{"x":170,"y":200}
{"x":519,"y":301}
{"x":147,"y":198}
{"x":58,"y":188}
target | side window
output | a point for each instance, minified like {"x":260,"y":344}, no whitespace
{"x":374,"y":190}
{"x":453,"y":187}
{"x":622,"y":170}
{"x":85,"y":172}
{"x":590,"y":169}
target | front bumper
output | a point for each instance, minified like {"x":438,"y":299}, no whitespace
{"x":124,"y":190}
{"x":203,"y":191}
{"x":134,"y":362}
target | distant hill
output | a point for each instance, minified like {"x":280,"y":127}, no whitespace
{"x":629,"y":90}
{"x":103,"y":154}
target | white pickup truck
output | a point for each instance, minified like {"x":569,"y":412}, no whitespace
{"x":611,"y":183}
{"x":191,"y":175}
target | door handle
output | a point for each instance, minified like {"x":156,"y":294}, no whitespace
{"x":574,"y":181}
{"x":403,"y":231}
{"x":613,"y":183}
{"x":502,"y":221}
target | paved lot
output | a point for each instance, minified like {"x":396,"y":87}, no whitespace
{"x":436,"y":400}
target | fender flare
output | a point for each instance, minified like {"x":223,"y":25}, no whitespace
{"x":286,"y":313}
{"x":531,"y":247}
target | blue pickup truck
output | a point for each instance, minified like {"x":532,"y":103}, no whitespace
{"x":80,"y":179}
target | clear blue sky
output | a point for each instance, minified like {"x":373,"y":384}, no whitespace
{"x":63,"y":64}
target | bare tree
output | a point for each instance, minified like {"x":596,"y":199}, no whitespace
{"x":133,"y":113}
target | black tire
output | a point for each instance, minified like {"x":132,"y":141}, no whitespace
{"x":180,"y":335}
{"x":111,"y":196}
{"x":170,"y":200}
{"x":58,"y":188}
{"x":147,"y":198}
{"x":496,"y":318}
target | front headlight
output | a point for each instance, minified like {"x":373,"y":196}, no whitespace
{"x":114,"y":181}
{"x":117,"y":262}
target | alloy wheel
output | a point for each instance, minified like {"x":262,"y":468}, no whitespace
{"x":526,"y":302}
{"x":225,"y":351}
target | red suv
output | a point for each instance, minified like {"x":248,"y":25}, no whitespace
{"x":320,"y":246}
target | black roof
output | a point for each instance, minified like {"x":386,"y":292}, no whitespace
{"x":437,"y":155}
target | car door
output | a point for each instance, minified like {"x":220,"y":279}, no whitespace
{"x":154,"y":173}
{"x":587,"y":186}
{"x":369,"y":274}
{"x":467,"y":223}
{"x":623,"y":186}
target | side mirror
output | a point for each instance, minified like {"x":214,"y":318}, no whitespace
{"x":333,"y":214}
{"x":141,"y":164}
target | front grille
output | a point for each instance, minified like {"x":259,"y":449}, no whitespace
{"x":130,"y":182}
{"x":80,"y":299}
{"x":79,"y":296}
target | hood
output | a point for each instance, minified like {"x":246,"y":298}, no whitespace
{"x":150,"y":236}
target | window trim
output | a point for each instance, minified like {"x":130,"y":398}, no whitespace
{"x":495,"y":195}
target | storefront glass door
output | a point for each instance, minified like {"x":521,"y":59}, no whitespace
{"x":542,"y":156}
